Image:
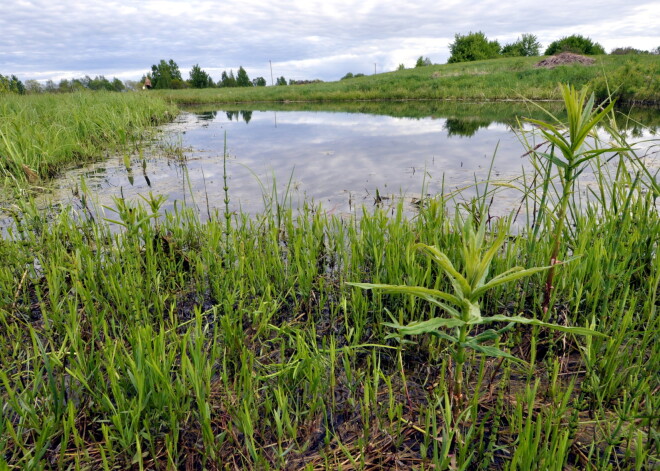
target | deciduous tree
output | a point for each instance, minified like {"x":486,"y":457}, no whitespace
{"x":199,"y":78}
{"x":242,"y":79}
{"x":166,"y":75}
{"x":472,"y":47}
{"x":526,"y":45}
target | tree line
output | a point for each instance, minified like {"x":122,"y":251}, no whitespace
{"x":476,"y":46}
{"x":166,"y":75}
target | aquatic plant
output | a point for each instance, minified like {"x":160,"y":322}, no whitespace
{"x":569,"y":139}
{"x":462,"y":307}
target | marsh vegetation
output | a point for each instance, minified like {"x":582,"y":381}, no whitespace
{"x":134,"y":338}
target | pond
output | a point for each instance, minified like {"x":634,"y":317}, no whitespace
{"x":339,"y":156}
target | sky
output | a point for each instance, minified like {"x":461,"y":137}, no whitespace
{"x":302,"y":39}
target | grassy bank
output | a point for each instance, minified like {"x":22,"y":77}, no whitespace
{"x":630,"y":78}
{"x":42,"y":134}
{"x":237,"y":344}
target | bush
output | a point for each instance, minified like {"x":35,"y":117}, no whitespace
{"x":627,"y":83}
{"x":472,"y":47}
{"x":575,"y":43}
{"x":423,"y":62}
{"x":526,"y":46}
{"x":620,"y":51}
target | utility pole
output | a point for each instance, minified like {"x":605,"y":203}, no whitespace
{"x":374,"y":68}
{"x":271,"y":72}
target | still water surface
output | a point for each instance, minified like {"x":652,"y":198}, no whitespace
{"x":338,"y":159}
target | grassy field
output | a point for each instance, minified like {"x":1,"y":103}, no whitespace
{"x":630,"y":79}
{"x":150,"y":341}
{"x":42,"y":134}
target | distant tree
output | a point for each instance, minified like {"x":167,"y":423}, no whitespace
{"x":259,"y":82}
{"x":199,"y":78}
{"x":575,"y":43}
{"x":619,"y":51}
{"x":227,"y":80}
{"x":349,"y":75}
{"x":472,"y":47}
{"x":401,"y":67}
{"x":423,"y":62}
{"x":242,"y":79}
{"x":11,"y":84}
{"x":166,"y":75}
{"x":656,"y":51}
{"x":358,"y":75}
{"x":281,"y":81}
{"x":49,"y":86}
{"x":526,"y":45}
{"x":32,"y":86}
{"x":118,"y":85}
{"x":97,"y":83}
{"x":64,"y":86}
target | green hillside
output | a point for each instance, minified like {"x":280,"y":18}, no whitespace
{"x":632,"y":79}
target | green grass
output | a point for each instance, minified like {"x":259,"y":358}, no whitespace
{"x":170,"y":343}
{"x":40,"y":135}
{"x":633,"y":79}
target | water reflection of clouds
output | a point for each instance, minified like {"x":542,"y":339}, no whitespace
{"x":329,"y":157}
{"x":333,"y":154}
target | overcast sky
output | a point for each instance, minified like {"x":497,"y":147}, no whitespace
{"x":304,"y":39}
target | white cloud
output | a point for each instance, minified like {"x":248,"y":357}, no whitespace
{"x":304,"y":39}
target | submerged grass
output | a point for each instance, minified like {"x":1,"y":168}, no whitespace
{"x":42,"y":134}
{"x":158,"y":341}
{"x":632,"y":79}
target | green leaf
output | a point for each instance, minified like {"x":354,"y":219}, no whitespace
{"x":555,"y":160}
{"x":525,"y":320}
{"x":509,"y":275}
{"x":425,"y":327}
{"x":487,"y":258}
{"x":590,"y":154}
{"x":445,"y":336}
{"x":491,"y":351}
{"x":487,"y":336}
{"x":474,"y":312}
{"x":446,"y":265}
{"x":419,"y":291}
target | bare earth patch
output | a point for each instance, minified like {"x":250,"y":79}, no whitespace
{"x":565,"y":58}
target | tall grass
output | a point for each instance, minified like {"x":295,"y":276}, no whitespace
{"x":158,"y":341}
{"x":42,"y":134}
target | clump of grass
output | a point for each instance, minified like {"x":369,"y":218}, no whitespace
{"x":42,"y":134}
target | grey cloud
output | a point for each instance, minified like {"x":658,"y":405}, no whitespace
{"x":321,"y":39}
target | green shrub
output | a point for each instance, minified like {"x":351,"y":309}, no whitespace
{"x":472,"y":47}
{"x":575,"y":43}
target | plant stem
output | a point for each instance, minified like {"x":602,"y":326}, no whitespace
{"x":559,"y":228}
{"x":459,"y":361}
